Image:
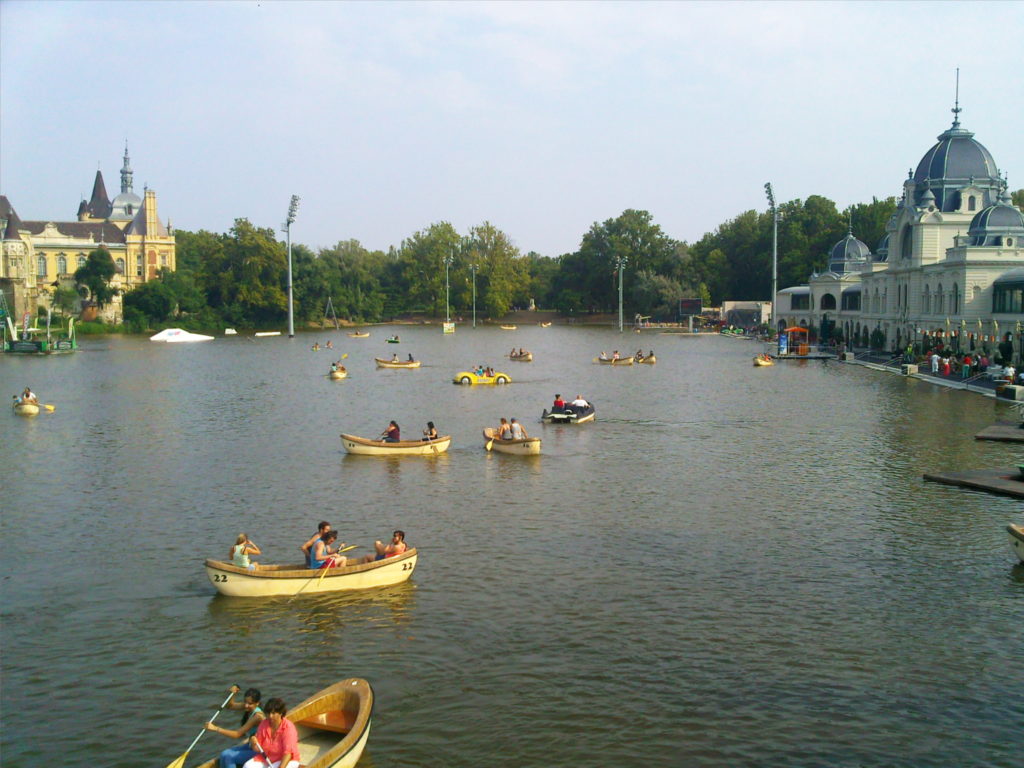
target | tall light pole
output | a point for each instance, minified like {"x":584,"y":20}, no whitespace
{"x":447,"y":263}
{"x":293,"y":206}
{"x":775,"y":251}
{"x":620,"y":262}
{"x":472,"y":268}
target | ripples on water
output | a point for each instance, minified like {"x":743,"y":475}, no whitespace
{"x":731,"y":566}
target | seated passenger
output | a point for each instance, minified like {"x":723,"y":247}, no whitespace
{"x":518,"y":433}
{"x":325,"y":554}
{"x":579,"y":404}
{"x":276,"y":738}
{"x":504,"y":430}
{"x":430,"y":433}
{"x":392,"y":434}
{"x":241,"y":550}
{"x":395,"y":547}
{"x":307,"y":548}
{"x":559,"y":405}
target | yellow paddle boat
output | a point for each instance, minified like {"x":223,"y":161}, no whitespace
{"x":613,"y":361}
{"x":1016,"y":533}
{"x":470,"y":377}
{"x":26,"y":409}
{"x":763,"y":360}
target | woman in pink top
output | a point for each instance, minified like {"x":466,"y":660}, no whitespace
{"x":276,"y":739}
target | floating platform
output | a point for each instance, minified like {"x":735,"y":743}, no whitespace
{"x":1003,"y":432}
{"x":1007,"y":482}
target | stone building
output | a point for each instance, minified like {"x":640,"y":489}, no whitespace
{"x":36,"y":257}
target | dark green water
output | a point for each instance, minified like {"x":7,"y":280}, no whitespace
{"x":731,"y":566}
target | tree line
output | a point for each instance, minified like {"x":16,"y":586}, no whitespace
{"x":239,"y":278}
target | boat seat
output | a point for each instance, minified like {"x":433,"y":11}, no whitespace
{"x":339,"y":721}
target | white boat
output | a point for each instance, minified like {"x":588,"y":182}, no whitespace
{"x":333,"y":725}
{"x":230,"y":332}
{"x":277,"y":580}
{"x":267,"y":333}
{"x":26,"y":409}
{"x":1016,"y":533}
{"x":173,"y":335}
{"x":365,"y":447}
{"x":527,"y":446}
{"x":337,"y":375}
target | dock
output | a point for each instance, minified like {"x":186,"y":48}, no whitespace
{"x":1003,"y":432}
{"x":1006,"y":482}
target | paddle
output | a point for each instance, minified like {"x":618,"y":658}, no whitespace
{"x":50,"y":408}
{"x":323,"y":572}
{"x":180,"y":762}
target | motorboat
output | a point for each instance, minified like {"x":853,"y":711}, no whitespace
{"x":570,"y":415}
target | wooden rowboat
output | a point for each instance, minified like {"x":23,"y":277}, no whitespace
{"x":357,"y":335}
{"x":545,"y":325}
{"x":333,"y":725}
{"x":278,"y":580}
{"x":762,"y":361}
{"x":364,"y":447}
{"x":526,"y":357}
{"x":509,"y":327}
{"x":26,"y":409}
{"x":335,"y":375}
{"x":1016,"y":533}
{"x":649,"y":360}
{"x":528,"y":446}
{"x":382,"y":363}
{"x":620,"y":361}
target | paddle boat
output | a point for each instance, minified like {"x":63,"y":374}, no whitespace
{"x":509,"y":327}
{"x":382,"y":363}
{"x":1016,"y":533}
{"x":333,"y":725}
{"x":26,"y":409}
{"x":614,"y":361}
{"x":175,"y":335}
{"x":527,"y":446}
{"x":278,"y":580}
{"x":337,"y":375}
{"x":358,"y":335}
{"x":393,"y":339}
{"x":525,"y":357}
{"x":366,"y":447}
{"x":471,"y":377}
{"x":763,"y":360}
{"x":569,"y":415}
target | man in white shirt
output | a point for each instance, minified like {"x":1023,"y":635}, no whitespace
{"x":935,"y":362}
{"x":580,"y":404}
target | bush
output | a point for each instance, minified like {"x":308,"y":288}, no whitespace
{"x":877,"y":339}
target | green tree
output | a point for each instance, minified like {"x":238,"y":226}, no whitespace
{"x":244,"y":279}
{"x":96,"y":274}
{"x":502,"y":276}
{"x":64,"y":299}
{"x":422,"y":258}
{"x":1018,"y":198}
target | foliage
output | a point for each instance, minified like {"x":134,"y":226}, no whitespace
{"x":64,"y":299}
{"x":877,"y":339}
{"x":1018,"y":198}
{"x":96,"y":274}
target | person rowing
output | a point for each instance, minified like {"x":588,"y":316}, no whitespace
{"x":252,"y":716}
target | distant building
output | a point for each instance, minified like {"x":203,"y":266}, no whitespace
{"x":950,"y":266}
{"x":38,"y":256}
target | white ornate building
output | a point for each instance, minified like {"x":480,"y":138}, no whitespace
{"x":951,"y":263}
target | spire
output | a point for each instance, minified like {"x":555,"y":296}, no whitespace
{"x":956,"y":104}
{"x":99,"y":203}
{"x":126,"y":171}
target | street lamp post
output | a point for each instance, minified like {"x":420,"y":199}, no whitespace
{"x":620,"y":262}
{"x":472,"y":268}
{"x":293,"y":206}
{"x":447,"y":304}
{"x":775,"y":250}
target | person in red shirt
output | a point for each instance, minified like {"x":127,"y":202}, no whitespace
{"x":559,"y":405}
{"x":276,"y":739}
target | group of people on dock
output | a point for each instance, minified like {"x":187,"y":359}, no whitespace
{"x":579,"y":405}
{"x":320,"y":551}
{"x":510,"y":430}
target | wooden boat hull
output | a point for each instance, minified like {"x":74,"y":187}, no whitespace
{"x":468,"y":377}
{"x":26,"y":409}
{"x":359,"y":335}
{"x":1016,"y":533}
{"x":337,"y":375}
{"x":569,"y":417}
{"x":524,"y":358}
{"x":649,"y":360}
{"x":620,"y":361}
{"x":545,"y":325}
{"x":761,"y":362}
{"x":528,"y":446}
{"x":381,"y":363}
{"x":509,"y":327}
{"x":333,"y":725}
{"x":364,"y":447}
{"x":280,"y":580}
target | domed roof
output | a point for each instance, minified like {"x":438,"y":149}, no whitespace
{"x":996,"y":222}
{"x":955,"y":162}
{"x":848,"y":255}
{"x":882,"y":249}
{"x":125,"y":206}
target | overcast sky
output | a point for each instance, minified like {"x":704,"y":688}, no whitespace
{"x":541,"y":118}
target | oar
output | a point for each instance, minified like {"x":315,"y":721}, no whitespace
{"x":180,"y":762}
{"x":323,"y":572}
{"x":50,"y":408}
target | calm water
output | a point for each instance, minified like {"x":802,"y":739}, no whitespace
{"x":731,"y":566}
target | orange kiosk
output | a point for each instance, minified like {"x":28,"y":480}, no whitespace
{"x":798,"y":340}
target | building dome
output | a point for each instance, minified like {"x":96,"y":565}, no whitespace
{"x":848,"y":255}
{"x":125,"y":206}
{"x":882,"y":249}
{"x":999,"y":224}
{"x":955,"y":162}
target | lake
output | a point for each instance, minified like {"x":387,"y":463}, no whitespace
{"x":730,"y":566}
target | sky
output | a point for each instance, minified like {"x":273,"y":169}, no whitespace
{"x":541,"y":118}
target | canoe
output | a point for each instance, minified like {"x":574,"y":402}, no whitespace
{"x":26,"y":409}
{"x":620,"y":361}
{"x":382,"y":363}
{"x":277,"y":580}
{"x":528,"y":446}
{"x":364,"y":447}
{"x":333,"y":725}
{"x":569,"y":416}
{"x":649,"y":360}
{"x":357,"y":335}
{"x":336,"y":375}
{"x":760,"y":361}
{"x":1016,"y":533}
{"x":509,"y":327}
{"x":526,"y":357}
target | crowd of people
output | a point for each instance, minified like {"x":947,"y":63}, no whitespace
{"x":944,"y":362}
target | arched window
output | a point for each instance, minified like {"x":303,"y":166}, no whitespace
{"x":41,"y":266}
{"x":956,"y":299}
{"x":906,"y":242}
{"x":971,"y":204}
{"x":828,"y":301}
{"x":163,"y":259}
{"x":138,"y":265}
{"x":62,"y":264}
{"x":927,"y":304}
{"x":81,"y":260}
{"x":120,"y":265}
{"x":938,"y":300}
